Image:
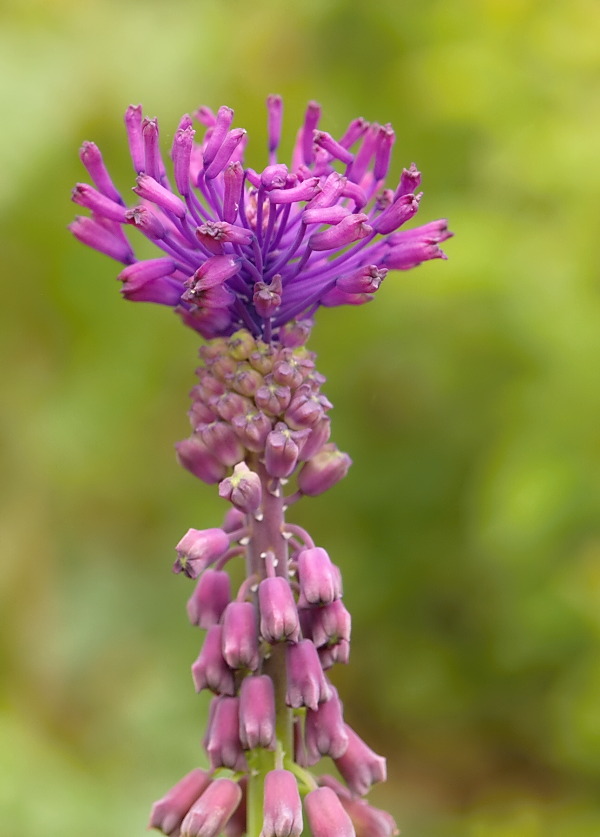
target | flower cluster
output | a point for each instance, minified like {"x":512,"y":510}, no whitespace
{"x":247,"y":258}
{"x":256,"y":250}
{"x":255,"y":398}
{"x":260,"y":425}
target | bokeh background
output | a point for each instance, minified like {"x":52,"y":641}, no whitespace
{"x":467,"y":395}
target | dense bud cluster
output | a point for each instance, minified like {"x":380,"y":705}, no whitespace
{"x":255,"y":399}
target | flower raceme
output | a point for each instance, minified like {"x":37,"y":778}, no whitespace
{"x":247,"y":258}
{"x":258,"y":250}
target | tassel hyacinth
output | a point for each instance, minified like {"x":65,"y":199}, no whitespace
{"x":246,"y":259}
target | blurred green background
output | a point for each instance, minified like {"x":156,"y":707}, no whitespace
{"x":467,"y":395}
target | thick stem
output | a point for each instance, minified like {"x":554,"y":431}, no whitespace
{"x":259,"y":763}
{"x":266,"y":538}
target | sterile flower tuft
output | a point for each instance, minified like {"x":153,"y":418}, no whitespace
{"x":256,"y":249}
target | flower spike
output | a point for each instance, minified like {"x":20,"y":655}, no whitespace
{"x":246,"y":258}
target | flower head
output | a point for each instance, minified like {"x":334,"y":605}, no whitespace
{"x":257,"y":250}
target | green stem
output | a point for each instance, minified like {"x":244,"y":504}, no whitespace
{"x":259,"y":763}
{"x":275,"y":667}
{"x":307,"y":780}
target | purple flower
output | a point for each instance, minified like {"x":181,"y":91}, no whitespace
{"x":367,"y":821}
{"x":320,"y":580}
{"x":223,"y":743}
{"x":278,"y":613}
{"x":168,"y":812}
{"x":210,"y":671}
{"x":330,"y":624}
{"x":307,"y":685}
{"x":209,"y":599}
{"x":237,"y":825}
{"x":196,"y":458}
{"x":282,"y":449}
{"x":323,"y":470}
{"x":282,"y":806}
{"x":240,"y":638}
{"x":243,"y":489}
{"x":208,"y":815}
{"x":258,"y":250}
{"x":325,"y":730}
{"x":326,"y":816}
{"x":198,"y":548}
{"x":257,"y":712}
{"x":359,"y":765}
{"x":222,"y":442}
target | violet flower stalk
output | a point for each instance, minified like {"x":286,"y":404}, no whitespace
{"x":246,"y":258}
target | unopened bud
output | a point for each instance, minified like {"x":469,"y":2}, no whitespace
{"x":209,"y":815}
{"x":210,"y":671}
{"x":223,"y":740}
{"x":103,"y":236}
{"x":367,"y":820}
{"x":326,"y":816}
{"x":295,"y":333}
{"x":409,"y":181}
{"x":330,"y":624}
{"x":234,"y":519}
{"x":306,"y":408}
{"x":306,"y":682}
{"x":242,"y":488}
{"x":238,"y":822}
{"x":329,"y":655}
{"x":325,"y":730}
{"x":281,"y":450}
{"x":239,"y":639}
{"x":241,"y":344}
{"x":320,"y":580}
{"x":247,"y":381}
{"x":272,"y":397}
{"x":252,"y":428}
{"x":92,"y":159}
{"x":318,"y":436}
{"x":278,"y":612}
{"x":210,"y":598}
{"x":195,"y":457}
{"x":146,"y":221}
{"x":267,"y":297}
{"x":323,"y":471}
{"x":360,"y":766}
{"x":198,"y":549}
{"x":397,"y":213}
{"x":149,"y":189}
{"x":167,"y":813}
{"x":262,"y":358}
{"x":257,"y":712}
{"x":221,"y":441}
{"x":282,"y":806}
